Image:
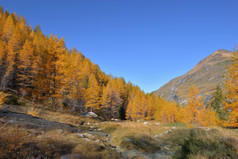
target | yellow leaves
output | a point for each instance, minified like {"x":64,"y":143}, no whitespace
{"x":33,"y":112}
{"x":2,"y":98}
{"x":166,"y":112}
{"x":196,"y":113}
{"x":231,"y":84}
{"x":9,"y":27}
{"x":93,"y":93}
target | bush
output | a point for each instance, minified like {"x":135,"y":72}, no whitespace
{"x":11,"y":100}
{"x":141,"y":143}
{"x":209,"y":144}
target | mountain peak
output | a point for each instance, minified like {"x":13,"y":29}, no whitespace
{"x":205,"y":75}
{"x":222,"y":50}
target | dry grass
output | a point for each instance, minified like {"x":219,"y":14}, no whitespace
{"x":128,"y":135}
{"x":203,"y":143}
{"x":22,"y":143}
{"x":17,"y":142}
{"x":33,"y":112}
{"x":133,"y":135}
{"x":49,"y":113}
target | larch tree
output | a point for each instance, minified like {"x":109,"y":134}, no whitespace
{"x":27,"y":68}
{"x":56,"y":50}
{"x":14,"y":44}
{"x":93,"y":101}
{"x":9,"y":28}
{"x":195,"y":104}
{"x":73,"y":80}
{"x":231,"y":84}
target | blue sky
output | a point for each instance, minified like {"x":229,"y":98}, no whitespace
{"x":148,"y":42}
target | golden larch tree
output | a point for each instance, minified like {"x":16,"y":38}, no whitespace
{"x":231,"y":84}
{"x":93,"y":99}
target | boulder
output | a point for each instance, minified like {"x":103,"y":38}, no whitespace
{"x":146,"y":123}
{"x":81,"y":136}
{"x":90,"y":115}
{"x":87,"y":139}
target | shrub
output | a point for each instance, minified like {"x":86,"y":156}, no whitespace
{"x":141,"y":143}
{"x":207,"y":143}
{"x":11,"y":100}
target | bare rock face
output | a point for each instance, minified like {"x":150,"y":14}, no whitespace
{"x":206,"y":75}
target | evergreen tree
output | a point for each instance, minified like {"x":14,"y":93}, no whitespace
{"x":122,"y":113}
{"x":218,"y":103}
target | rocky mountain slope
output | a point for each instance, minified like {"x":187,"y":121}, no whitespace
{"x":205,"y":75}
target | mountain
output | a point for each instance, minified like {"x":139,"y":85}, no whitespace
{"x":206,"y":75}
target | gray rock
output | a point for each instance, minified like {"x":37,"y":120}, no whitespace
{"x":97,"y":141}
{"x":87,"y":139}
{"x":147,"y":123}
{"x":88,"y":135}
{"x":159,"y":135}
{"x":80,"y":135}
{"x":75,"y":156}
{"x":128,"y":140}
{"x":90,"y":115}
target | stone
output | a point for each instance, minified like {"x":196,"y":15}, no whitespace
{"x":87,"y":139}
{"x":90,"y":115}
{"x":88,"y":135}
{"x":146,"y":123}
{"x":75,"y":156}
{"x":81,"y":135}
{"x":159,"y":135}
{"x":157,"y":124}
{"x":128,"y":140}
{"x":166,"y":132}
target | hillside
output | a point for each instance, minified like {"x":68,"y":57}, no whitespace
{"x":205,"y":75}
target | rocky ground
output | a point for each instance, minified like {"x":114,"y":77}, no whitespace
{"x":89,"y":132}
{"x":94,"y":138}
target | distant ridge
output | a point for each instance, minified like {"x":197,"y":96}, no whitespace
{"x":205,"y":75}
